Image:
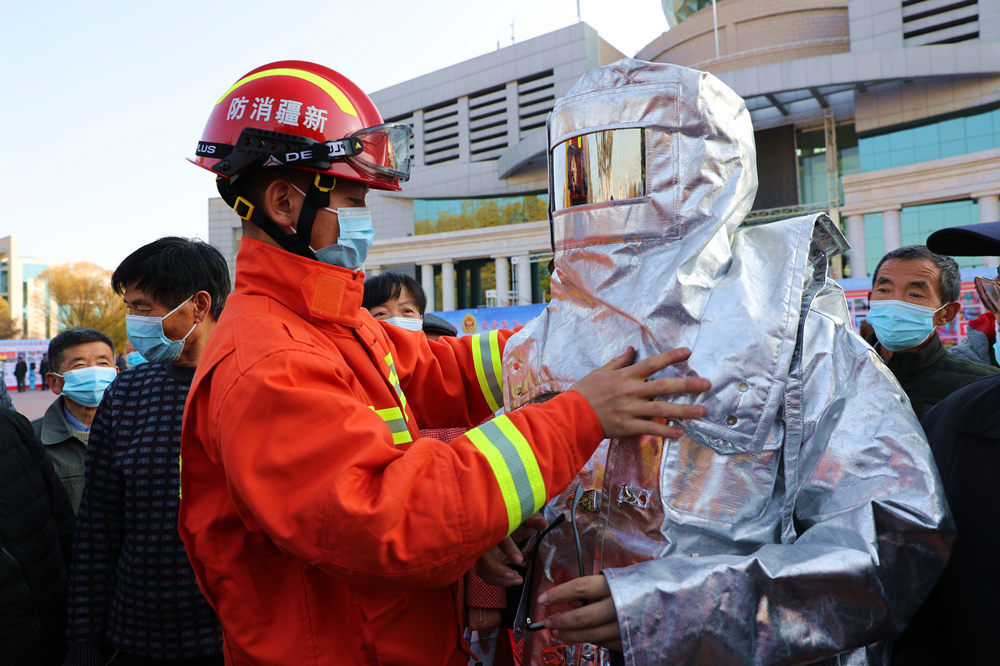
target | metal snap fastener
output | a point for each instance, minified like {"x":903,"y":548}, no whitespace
{"x":743,"y":387}
{"x":731,"y":419}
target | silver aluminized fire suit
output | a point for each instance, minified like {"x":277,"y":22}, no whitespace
{"x":802,"y":518}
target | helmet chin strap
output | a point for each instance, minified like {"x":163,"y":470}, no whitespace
{"x":317,"y":197}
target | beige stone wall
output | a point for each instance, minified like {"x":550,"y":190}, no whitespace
{"x":753,"y":33}
{"x":922,"y":99}
{"x":967,"y":176}
{"x":40,"y":311}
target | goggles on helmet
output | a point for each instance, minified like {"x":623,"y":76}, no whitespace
{"x":382,"y":151}
{"x":609,"y":165}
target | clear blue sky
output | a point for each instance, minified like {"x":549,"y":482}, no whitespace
{"x":102,"y":101}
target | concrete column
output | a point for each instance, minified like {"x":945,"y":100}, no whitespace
{"x":464,"y":143}
{"x":448,"y":286}
{"x":989,"y":208}
{"x":523,"y":268}
{"x":856,"y":237}
{"x":989,"y":211}
{"x":503,"y":281}
{"x":513,"y":118}
{"x":892,"y":234}
{"x":427,"y":282}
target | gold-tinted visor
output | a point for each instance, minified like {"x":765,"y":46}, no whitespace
{"x":609,"y":165}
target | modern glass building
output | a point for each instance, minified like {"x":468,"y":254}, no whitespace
{"x":27,"y":294}
{"x":886,"y":113}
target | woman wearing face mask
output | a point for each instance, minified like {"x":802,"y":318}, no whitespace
{"x":395,"y":299}
{"x":400,"y":300}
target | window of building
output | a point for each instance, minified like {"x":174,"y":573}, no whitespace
{"x":918,"y":222}
{"x":682,"y":9}
{"x":931,"y":141}
{"x":810,"y":149}
{"x":432,"y":216}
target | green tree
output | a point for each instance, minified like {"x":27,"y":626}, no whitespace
{"x":8,"y":326}
{"x":85,"y":299}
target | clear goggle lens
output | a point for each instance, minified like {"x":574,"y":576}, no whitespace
{"x":386,"y":151}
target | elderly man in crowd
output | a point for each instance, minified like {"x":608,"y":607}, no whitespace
{"x":959,"y":621}
{"x":82,"y":365}
{"x":913,"y":292}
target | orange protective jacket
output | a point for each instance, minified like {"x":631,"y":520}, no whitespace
{"x":321,"y":527}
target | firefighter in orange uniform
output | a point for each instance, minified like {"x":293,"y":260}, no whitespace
{"x":322,"y":528}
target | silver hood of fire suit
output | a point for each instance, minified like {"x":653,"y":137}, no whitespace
{"x":802,"y":518}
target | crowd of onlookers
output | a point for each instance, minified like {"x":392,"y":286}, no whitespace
{"x":309,"y":468}
{"x":129,"y":587}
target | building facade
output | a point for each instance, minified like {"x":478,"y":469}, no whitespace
{"x":884,"y":112}
{"x":27,"y":294}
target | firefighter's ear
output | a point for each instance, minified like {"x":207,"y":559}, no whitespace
{"x":282,"y":203}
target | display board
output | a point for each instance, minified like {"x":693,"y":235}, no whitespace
{"x":32,"y":350}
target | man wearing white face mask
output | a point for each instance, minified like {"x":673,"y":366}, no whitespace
{"x":132,"y":591}
{"x":83,"y":365}
{"x":913,"y":292}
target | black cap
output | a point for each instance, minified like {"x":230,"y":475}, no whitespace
{"x":438,"y":326}
{"x":972,"y":240}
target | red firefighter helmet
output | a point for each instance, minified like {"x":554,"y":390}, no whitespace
{"x":305,"y":116}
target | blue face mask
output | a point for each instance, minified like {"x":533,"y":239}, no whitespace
{"x":900,"y":325}
{"x":86,"y":386}
{"x":146,"y":335}
{"x":356,"y":235}
{"x":134,"y":358}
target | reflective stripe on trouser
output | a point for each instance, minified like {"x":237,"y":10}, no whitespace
{"x":393,"y":417}
{"x":486,"y":357}
{"x":394,"y":380}
{"x":514,"y":466}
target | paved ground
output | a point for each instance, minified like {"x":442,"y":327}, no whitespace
{"x":31,"y":403}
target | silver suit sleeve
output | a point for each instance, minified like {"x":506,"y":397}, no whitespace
{"x":865,"y":532}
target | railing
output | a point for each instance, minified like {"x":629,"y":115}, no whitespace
{"x":765,"y":215}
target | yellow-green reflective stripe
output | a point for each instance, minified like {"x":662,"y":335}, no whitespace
{"x":394,"y":380}
{"x":335,"y":93}
{"x":486,"y":358}
{"x":393,"y":417}
{"x":514,"y":466}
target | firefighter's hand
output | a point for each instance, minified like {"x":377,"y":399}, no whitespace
{"x":492,"y":565}
{"x":485,"y":621}
{"x":624,"y":400}
{"x":596,"y":623}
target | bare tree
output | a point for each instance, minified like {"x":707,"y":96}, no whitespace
{"x":85,"y":299}
{"x":8,"y":326}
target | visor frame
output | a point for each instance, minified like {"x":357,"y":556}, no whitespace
{"x":379,"y":170}
{"x":560,"y":167}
